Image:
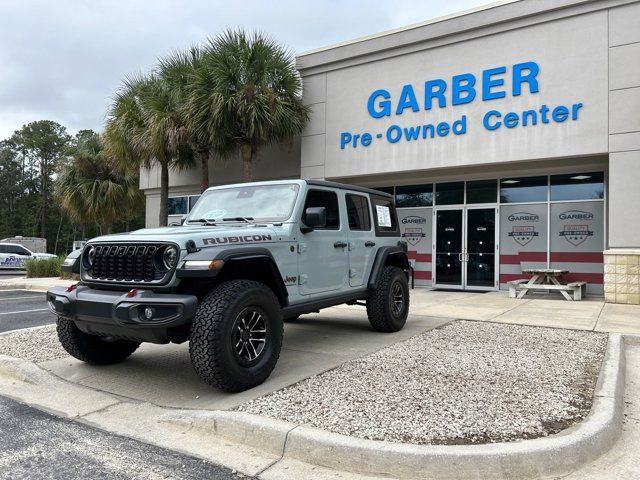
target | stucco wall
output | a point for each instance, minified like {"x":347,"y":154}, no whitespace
{"x":572,"y":57}
{"x":624,"y":126}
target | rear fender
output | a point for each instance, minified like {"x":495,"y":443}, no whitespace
{"x":395,"y":255}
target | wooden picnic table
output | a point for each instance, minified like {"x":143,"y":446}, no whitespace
{"x":547,"y":279}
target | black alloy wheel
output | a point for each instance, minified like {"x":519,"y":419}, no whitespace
{"x":250,"y":335}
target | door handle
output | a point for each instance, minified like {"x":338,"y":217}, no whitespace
{"x":460,"y":257}
{"x":339,"y":244}
{"x":369,"y":243}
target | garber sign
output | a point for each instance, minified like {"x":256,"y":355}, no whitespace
{"x":459,"y":90}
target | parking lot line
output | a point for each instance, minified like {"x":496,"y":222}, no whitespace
{"x":21,"y":298}
{"x":25,"y":311}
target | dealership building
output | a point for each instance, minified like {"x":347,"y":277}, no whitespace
{"x":509,"y":135}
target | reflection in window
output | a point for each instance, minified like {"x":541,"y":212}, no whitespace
{"x":328,"y":200}
{"x":577,"y":186}
{"x":358,"y":212}
{"x":177,"y":205}
{"x":482,"y":191}
{"x":388,"y":190}
{"x":524,"y":189}
{"x":414,"y":196}
{"x":449,"y":193}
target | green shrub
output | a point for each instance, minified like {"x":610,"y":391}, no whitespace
{"x":47,"y":267}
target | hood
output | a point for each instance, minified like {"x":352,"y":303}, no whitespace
{"x":203,"y":236}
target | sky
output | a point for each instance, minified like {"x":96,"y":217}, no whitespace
{"x":62,"y":60}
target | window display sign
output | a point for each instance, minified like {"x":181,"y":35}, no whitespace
{"x":523,"y":239}
{"x":415,"y":228}
{"x":577,"y":241}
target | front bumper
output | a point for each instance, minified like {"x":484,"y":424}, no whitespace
{"x":106,"y":312}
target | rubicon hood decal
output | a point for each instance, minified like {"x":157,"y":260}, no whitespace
{"x":236,"y":239}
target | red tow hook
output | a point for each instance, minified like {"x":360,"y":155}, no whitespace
{"x":132,"y":292}
{"x":71,"y":288}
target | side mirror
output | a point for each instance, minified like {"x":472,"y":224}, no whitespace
{"x":314,"y":217}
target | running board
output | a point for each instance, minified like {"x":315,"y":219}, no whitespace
{"x":313,"y":306}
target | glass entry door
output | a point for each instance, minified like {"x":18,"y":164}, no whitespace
{"x":480,"y":248}
{"x":448,"y":248}
{"x":465,"y":248}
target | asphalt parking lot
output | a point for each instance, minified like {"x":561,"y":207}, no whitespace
{"x":36,"y":445}
{"x":23,"y":309}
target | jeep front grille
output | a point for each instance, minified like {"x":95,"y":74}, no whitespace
{"x":127,"y":263}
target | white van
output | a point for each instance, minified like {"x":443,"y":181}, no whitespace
{"x":13,"y":255}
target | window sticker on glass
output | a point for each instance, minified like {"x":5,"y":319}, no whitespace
{"x":384,"y":216}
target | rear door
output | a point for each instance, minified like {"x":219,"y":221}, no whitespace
{"x":322,"y":253}
{"x":361,"y":237}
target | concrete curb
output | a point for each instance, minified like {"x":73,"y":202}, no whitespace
{"x":555,"y":455}
{"x":551,"y":456}
{"x":25,"y":284}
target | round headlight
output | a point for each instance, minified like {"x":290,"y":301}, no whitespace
{"x":170,"y":257}
{"x":90,"y":255}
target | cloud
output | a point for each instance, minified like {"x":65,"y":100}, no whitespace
{"x":63,"y":60}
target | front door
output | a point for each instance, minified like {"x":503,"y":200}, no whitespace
{"x":465,"y":248}
{"x":323,"y":253}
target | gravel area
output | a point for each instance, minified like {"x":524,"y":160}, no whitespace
{"x":467,"y":382}
{"x":37,"y":345}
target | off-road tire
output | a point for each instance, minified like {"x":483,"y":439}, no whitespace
{"x":211,"y":346}
{"x":91,"y":348}
{"x":380,"y":308}
{"x":291,"y":319}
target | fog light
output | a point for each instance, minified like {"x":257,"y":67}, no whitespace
{"x":148,"y":313}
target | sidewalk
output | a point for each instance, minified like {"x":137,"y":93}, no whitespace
{"x":36,"y":284}
{"x":552,"y":310}
{"x":536,"y":310}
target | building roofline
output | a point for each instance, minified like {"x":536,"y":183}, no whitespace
{"x":412,"y":26}
{"x":468,"y":24}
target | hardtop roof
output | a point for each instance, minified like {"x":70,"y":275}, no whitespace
{"x":319,"y":183}
{"x":346,"y":186}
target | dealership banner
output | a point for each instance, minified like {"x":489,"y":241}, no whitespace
{"x":415,"y":228}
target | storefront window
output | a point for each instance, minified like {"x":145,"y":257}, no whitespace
{"x":192,"y":201}
{"x":577,"y":186}
{"x":414,"y":196}
{"x":177,"y":205}
{"x":449,"y":193}
{"x":524,"y":189}
{"x":482,"y":191}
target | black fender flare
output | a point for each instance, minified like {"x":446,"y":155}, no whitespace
{"x":234,"y":255}
{"x":380,"y":261}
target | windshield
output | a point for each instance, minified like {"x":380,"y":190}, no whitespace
{"x":272,"y":203}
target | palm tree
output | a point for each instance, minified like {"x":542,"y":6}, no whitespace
{"x":246,"y":94}
{"x":93,"y":188}
{"x":145,"y":127}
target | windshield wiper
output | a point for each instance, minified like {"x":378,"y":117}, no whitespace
{"x":238,"y":219}
{"x":206,"y":221}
